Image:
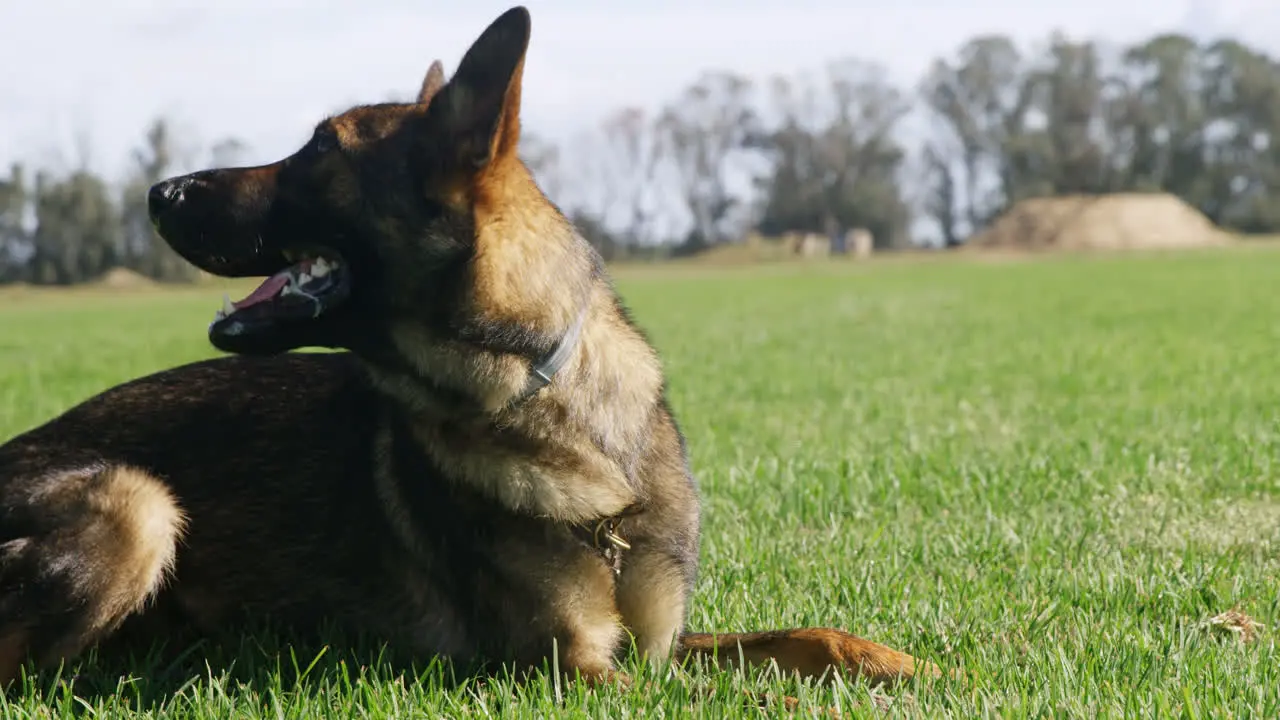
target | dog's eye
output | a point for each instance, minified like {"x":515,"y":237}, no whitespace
{"x":324,"y":142}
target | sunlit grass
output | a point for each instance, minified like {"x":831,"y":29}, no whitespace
{"x":1047,"y":473}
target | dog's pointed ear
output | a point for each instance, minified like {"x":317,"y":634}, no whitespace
{"x":432,"y":83}
{"x":477,"y":113}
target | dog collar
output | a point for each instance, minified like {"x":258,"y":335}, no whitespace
{"x":544,"y":369}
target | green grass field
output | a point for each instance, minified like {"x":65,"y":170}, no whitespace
{"x":1049,"y":473}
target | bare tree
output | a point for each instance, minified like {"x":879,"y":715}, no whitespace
{"x":627,"y":157}
{"x":15,"y":241}
{"x":77,"y":229}
{"x":941,"y":201}
{"x":981,"y":102}
{"x":145,"y":252}
{"x":705,"y":138}
{"x":836,"y":163}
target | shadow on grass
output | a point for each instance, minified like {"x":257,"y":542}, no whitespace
{"x":258,"y":668}
{"x":270,"y":672}
{"x":267,"y":670}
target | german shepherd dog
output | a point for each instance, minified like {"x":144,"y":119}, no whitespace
{"x":487,"y":470}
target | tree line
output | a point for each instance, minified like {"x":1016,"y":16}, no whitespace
{"x":823,"y":151}
{"x":73,"y":227}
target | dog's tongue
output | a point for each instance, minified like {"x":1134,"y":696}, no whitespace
{"x":267,"y":290}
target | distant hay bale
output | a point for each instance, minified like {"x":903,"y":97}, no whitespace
{"x":119,"y":278}
{"x":813,"y":245}
{"x":860,"y":242}
{"x":1121,"y":221}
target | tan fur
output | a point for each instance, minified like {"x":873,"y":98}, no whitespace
{"x":494,"y":379}
{"x":569,"y":481}
{"x":521,"y":252}
{"x":111,"y":560}
{"x":650,"y":598}
{"x":583,"y":422}
{"x":809,"y":652}
{"x":432,"y":83}
{"x":349,"y":129}
{"x":145,"y":524}
{"x":583,"y":600}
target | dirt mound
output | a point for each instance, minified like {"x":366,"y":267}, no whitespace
{"x":1101,"y":222}
{"x":124,"y":279}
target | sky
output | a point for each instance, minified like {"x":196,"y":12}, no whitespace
{"x":81,"y":80}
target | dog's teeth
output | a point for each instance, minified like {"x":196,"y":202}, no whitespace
{"x":227,"y":306}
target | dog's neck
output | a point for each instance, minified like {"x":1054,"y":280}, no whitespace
{"x":557,"y":436}
{"x":542,"y":371}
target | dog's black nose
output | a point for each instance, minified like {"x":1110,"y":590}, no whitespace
{"x":164,"y":195}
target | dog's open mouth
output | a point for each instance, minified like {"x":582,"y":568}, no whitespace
{"x":312,"y":285}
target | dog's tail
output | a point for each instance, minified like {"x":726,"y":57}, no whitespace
{"x":811,"y":652}
{"x":81,"y":551}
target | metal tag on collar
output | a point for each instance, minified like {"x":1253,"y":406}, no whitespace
{"x":613,"y":544}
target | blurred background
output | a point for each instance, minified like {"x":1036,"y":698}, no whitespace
{"x":758,"y":128}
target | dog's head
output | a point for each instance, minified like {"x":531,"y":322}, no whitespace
{"x":417,"y":212}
